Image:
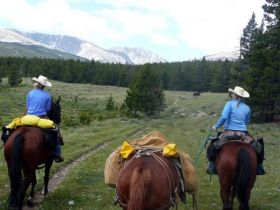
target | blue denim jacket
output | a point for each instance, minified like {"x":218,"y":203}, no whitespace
{"x":235,"y":116}
{"x":38,"y":102}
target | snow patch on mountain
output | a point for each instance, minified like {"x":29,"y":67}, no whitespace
{"x":139,"y":55}
{"x":229,"y":55}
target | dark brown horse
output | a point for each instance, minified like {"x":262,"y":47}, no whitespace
{"x":147,"y":181}
{"x":24,"y":151}
{"x":236,"y":167}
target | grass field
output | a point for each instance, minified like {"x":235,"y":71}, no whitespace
{"x":186,"y":122}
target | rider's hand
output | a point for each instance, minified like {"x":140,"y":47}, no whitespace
{"x":214,"y":128}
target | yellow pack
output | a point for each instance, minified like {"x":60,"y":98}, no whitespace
{"x":31,"y":120}
{"x":170,"y":150}
{"x":45,"y":123}
{"x":14,"y":124}
{"x":126,"y":150}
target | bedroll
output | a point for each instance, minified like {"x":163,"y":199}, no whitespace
{"x":31,"y":120}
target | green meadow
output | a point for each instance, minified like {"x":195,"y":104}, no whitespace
{"x":186,"y":122}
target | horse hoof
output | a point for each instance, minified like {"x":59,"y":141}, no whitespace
{"x":29,"y":202}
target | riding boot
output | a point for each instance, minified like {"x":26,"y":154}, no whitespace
{"x":260,"y":169}
{"x":57,"y":154}
{"x":211,"y":168}
{"x":6,"y":132}
{"x":260,"y":158}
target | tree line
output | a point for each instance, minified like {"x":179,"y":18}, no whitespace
{"x":193,"y":75}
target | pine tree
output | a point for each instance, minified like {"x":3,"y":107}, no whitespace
{"x":14,"y":77}
{"x":263,"y":77}
{"x":110,"y":105}
{"x":247,"y":37}
{"x":145,"y":93}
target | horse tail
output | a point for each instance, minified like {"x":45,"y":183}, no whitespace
{"x":242,"y":180}
{"x":16,"y":175}
{"x":139,"y":183}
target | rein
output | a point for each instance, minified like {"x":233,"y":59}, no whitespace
{"x":202,"y":146}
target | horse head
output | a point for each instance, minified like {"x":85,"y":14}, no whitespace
{"x":55,"y":112}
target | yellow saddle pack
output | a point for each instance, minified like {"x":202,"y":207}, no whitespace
{"x":31,"y":120}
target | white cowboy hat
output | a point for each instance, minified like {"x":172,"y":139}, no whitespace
{"x":240,"y":92}
{"x":42,"y":80}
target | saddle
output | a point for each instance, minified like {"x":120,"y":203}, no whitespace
{"x":222,"y":138}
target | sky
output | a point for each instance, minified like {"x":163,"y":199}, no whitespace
{"x":177,"y":30}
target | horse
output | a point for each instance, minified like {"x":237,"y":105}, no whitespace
{"x":24,"y":151}
{"x":147,"y":181}
{"x":196,"y":93}
{"x":236,"y":168}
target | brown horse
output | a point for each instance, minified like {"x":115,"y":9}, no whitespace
{"x":24,"y":151}
{"x":236,"y":167}
{"x":147,"y":181}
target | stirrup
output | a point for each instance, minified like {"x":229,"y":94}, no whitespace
{"x":211,"y":168}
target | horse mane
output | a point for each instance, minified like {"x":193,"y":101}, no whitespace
{"x":139,"y":184}
{"x":54,"y":113}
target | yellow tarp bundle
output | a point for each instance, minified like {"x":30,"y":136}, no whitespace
{"x":153,"y":140}
{"x":31,"y":120}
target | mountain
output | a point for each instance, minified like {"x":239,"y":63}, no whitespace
{"x":90,"y":51}
{"x":139,"y":55}
{"x":14,"y":44}
{"x":230,"y":55}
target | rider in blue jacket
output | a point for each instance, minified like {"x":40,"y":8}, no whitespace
{"x":38,"y":103}
{"x":235,"y":117}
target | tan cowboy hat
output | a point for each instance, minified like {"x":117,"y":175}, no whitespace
{"x":42,"y":80}
{"x":240,"y":92}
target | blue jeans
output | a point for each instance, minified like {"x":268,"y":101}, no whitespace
{"x":57,"y":150}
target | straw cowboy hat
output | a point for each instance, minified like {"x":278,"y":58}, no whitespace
{"x":240,"y":92}
{"x":42,"y":80}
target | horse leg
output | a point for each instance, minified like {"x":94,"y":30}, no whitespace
{"x":31,"y":195}
{"x":48,"y":164}
{"x":21,"y":193}
{"x":12,"y":200}
{"x":232,"y":195}
{"x":225,"y":193}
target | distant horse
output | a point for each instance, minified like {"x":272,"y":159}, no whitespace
{"x":147,"y":181}
{"x":196,"y":93}
{"x":236,"y":167}
{"x":24,"y":150}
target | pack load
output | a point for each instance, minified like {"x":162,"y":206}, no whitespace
{"x":31,"y":120}
{"x":153,"y":140}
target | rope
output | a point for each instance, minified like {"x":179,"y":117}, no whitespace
{"x":202,"y":147}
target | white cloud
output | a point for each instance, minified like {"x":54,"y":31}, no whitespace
{"x":205,"y":25}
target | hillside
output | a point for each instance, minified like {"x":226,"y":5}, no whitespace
{"x":29,"y":51}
